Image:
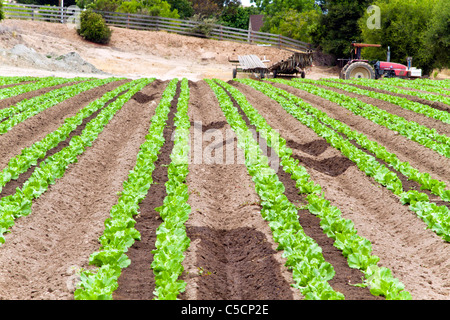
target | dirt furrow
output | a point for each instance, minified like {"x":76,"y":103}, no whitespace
{"x":232,"y":254}
{"x":416,"y":256}
{"x":44,"y":251}
{"x":137,"y":281}
{"x":37,"y":127}
{"x":332,"y":166}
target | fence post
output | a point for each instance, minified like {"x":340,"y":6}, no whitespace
{"x":279,"y":41}
{"x":221,"y":32}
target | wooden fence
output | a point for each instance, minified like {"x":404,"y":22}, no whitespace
{"x":145,"y":22}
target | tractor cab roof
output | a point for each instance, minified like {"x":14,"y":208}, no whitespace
{"x":361,"y":45}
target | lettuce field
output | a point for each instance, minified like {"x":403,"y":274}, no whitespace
{"x":253,"y":190}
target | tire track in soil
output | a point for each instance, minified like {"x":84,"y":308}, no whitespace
{"x":43,"y":252}
{"x":232,"y":254}
{"x":416,"y":256}
{"x":37,"y":127}
{"x":332,"y":166}
{"x":137,"y":281}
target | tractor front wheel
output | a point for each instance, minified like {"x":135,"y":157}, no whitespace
{"x":359,"y":70}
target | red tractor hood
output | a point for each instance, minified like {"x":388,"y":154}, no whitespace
{"x":400,"y":69}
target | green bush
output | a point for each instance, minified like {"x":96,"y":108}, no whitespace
{"x":93,"y":27}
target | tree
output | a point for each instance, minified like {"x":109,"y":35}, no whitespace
{"x":149,"y":7}
{"x":237,"y":17}
{"x":67,"y":3}
{"x":404,"y":28}
{"x":204,"y":8}
{"x":2,"y":15}
{"x":292,"y":18}
{"x":184,"y":8}
{"x":296,"y":25}
{"x":437,"y":36}
{"x":339,"y":25}
{"x":274,"y":7}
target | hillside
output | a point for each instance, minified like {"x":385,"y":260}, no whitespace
{"x":131,"y":53}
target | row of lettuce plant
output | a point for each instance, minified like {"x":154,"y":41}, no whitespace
{"x":30,"y":155}
{"x":398,"y":82}
{"x":304,"y":257}
{"x":399,"y":101}
{"x":355,"y":248}
{"x":26,"y":103}
{"x":171,"y":238}
{"x":434,"y":216}
{"x":428,"y":137}
{"x":386,"y":87}
{"x":16,"y":79}
{"x":120,"y":234}
{"x":19,"y":204}
{"x":29,"y":108}
{"x":434,"y":83}
{"x":42,"y":83}
{"x":435,"y":186}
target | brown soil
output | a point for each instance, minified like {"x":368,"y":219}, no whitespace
{"x":137,"y":282}
{"x":10,"y":187}
{"x":232,"y":254}
{"x":420,"y":157}
{"x":415,"y":255}
{"x":333,"y":166}
{"x":45,"y":250}
{"x":36,"y":128}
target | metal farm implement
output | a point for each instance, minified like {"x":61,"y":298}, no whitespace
{"x":295,"y":64}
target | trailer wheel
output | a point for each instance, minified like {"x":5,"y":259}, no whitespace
{"x":359,"y":70}
{"x":303,"y":74}
{"x":275,"y":73}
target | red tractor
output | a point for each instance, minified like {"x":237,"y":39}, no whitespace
{"x":359,"y":68}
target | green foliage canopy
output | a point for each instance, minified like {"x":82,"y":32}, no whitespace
{"x":2,"y":14}
{"x":237,"y":17}
{"x":411,"y":28}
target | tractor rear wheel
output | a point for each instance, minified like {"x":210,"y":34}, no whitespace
{"x":359,"y":70}
{"x":342,"y":73}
